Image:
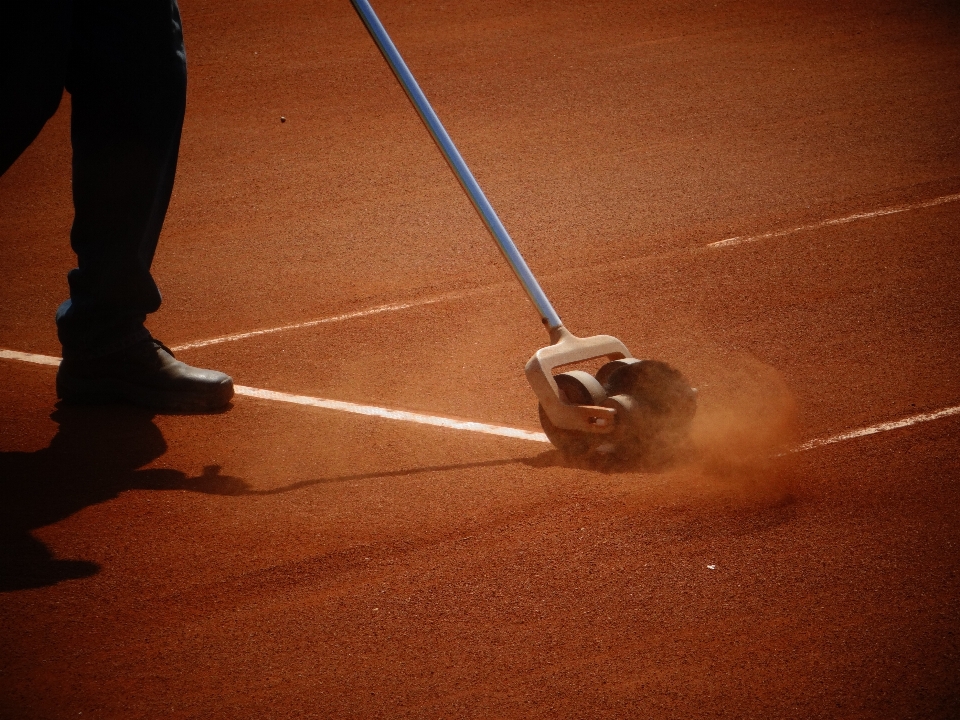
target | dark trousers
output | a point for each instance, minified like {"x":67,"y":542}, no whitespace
{"x":123,"y":63}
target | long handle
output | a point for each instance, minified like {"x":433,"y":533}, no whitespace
{"x":547,"y":314}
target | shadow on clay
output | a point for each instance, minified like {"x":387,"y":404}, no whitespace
{"x":661,"y":462}
{"x":96,"y":454}
{"x":550,"y":458}
{"x":369,"y":476}
{"x":100,"y":452}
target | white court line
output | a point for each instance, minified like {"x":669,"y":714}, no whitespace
{"x":309,"y":323}
{"x":393,"y":307}
{"x":503,"y":431}
{"x":392,"y":414}
{"x":30,"y":357}
{"x":836,"y":221}
{"x":356,"y":409}
{"x":882,"y":427}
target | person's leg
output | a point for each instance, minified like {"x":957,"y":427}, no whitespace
{"x":34,"y":41}
{"x":127,"y":80}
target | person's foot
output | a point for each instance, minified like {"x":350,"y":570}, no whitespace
{"x":144,"y":374}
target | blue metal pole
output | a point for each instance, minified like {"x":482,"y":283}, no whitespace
{"x":539,"y":299}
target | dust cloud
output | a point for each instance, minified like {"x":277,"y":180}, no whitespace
{"x":745,"y":427}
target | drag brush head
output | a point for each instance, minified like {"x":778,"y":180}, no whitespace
{"x":654,"y":405}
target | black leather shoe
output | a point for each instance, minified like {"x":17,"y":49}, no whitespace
{"x":144,"y":374}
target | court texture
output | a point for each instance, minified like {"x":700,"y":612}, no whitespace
{"x":766,"y":195}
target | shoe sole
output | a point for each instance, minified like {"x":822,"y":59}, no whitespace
{"x":104,"y":391}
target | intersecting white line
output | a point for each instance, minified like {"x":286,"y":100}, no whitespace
{"x":487,"y":429}
{"x":836,"y":221}
{"x":309,"y":323}
{"x":394,"y":307}
{"x":879,"y":428}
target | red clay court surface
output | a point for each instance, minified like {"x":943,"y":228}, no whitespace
{"x":288,"y":561}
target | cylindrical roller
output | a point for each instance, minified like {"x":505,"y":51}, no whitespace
{"x":572,"y":443}
{"x":662,"y":389}
{"x":603,"y":374}
{"x":580,"y":388}
{"x":577,"y":388}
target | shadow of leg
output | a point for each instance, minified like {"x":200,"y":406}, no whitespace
{"x":25,"y":563}
{"x":93,"y":457}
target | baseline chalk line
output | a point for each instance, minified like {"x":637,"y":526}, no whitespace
{"x":403,"y":415}
{"x":338,"y":405}
{"x":836,"y":221}
{"x":485,"y":428}
{"x":29,"y":357}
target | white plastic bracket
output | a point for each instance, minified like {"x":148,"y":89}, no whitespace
{"x":567,"y":349}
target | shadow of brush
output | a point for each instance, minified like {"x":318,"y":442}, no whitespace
{"x":213,"y":479}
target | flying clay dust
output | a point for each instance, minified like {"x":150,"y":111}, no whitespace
{"x":746,"y":419}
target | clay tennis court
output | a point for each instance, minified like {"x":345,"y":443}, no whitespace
{"x":303,"y":559}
